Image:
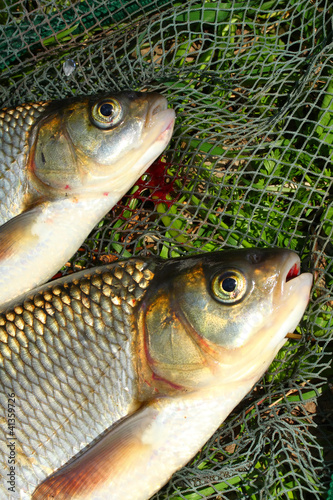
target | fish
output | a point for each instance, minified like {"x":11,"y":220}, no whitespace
{"x":63,"y":165}
{"x":114,"y":377}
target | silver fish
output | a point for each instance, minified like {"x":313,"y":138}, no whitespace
{"x":63,"y":166}
{"x":115,"y":377}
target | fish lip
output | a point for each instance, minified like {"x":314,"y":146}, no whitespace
{"x":157,"y":133}
{"x":291,"y":274}
{"x":301,"y":285}
{"x":158,"y":105}
{"x":291,"y":268}
{"x":160,"y":128}
{"x":165,"y":118}
{"x":291,"y":303}
{"x":168,"y":116}
{"x":293,"y":296}
{"x":158,"y":113}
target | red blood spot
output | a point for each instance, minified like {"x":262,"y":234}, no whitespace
{"x":105,"y":194}
{"x":67,"y":186}
{"x":160,"y":184}
{"x":58,"y":275}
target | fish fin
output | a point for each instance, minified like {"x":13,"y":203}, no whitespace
{"x":104,"y":468}
{"x":37,"y":243}
{"x":16,"y":234}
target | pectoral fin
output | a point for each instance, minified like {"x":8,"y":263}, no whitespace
{"x":135,"y":457}
{"x":35,"y":244}
{"x":107,"y":469}
{"x":16,"y":235}
{"x":19,"y":259}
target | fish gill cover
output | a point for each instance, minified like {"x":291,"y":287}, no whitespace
{"x":250,"y":164}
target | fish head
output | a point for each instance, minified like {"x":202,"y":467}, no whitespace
{"x":98,"y":144}
{"x":220,"y":317}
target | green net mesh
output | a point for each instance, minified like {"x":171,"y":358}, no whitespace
{"x":250,"y":164}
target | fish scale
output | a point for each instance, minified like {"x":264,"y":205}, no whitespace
{"x":67,"y":335}
{"x":15,"y":128}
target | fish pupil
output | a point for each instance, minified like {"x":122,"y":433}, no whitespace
{"x":229,"y":284}
{"x":106,"y":109}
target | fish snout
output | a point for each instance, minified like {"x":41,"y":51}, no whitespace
{"x":159,"y":104}
{"x":294,"y":284}
{"x":158,"y":114}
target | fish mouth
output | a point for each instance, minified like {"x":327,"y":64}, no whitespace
{"x":294,"y":271}
{"x":291,"y":268}
{"x":159,"y":105}
{"x":160,"y":118}
{"x":157,"y":132}
{"x":292,"y":278}
{"x":295,"y":294}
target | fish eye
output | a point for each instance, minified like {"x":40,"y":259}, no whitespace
{"x":229,"y":287}
{"x":106,"y":109}
{"x":106,"y":114}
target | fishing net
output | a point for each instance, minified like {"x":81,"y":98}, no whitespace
{"x":250,"y":164}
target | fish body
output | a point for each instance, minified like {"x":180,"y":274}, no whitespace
{"x":120,"y":374}
{"x":63,"y":165}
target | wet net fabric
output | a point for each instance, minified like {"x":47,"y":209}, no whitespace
{"x":250,"y":164}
